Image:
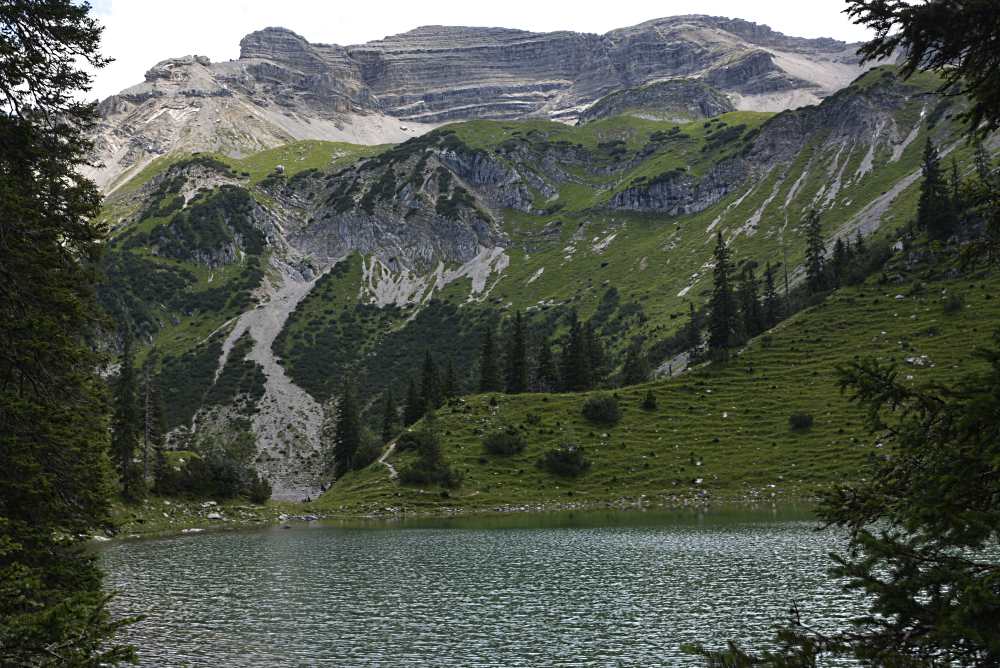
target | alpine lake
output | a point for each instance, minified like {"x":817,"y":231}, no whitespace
{"x":565,"y":589}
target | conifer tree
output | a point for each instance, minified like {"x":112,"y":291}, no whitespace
{"x":723,"y":321}
{"x":751,"y":315}
{"x":517,"y":357}
{"x":489,"y":369}
{"x":56,"y":481}
{"x":390,"y":416}
{"x":772,"y":303}
{"x":347,"y":435}
{"x":935,"y":214}
{"x":575,"y":363}
{"x":154,"y":422}
{"x":815,"y":253}
{"x":126,"y":424}
{"x":860,"y":249}
{"x":415,"y":406}
{"x":546,"y":373}
{"x":692,"y":335}
{"x":635,"y":370}
{"x":596,"y":355}
{"x":449,"y":384}
{"x":430,"y":383}
{"x":841,"y":262}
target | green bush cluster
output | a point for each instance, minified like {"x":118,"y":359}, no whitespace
{"x":506,"y":441}
{"x":602,"y":408}
{"x":567,"y":460}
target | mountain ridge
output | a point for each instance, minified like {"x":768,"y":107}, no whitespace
{"x":283,"y":88}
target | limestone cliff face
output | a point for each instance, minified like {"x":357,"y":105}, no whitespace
{"x":284,"y":88}
{"x":676,"y":100}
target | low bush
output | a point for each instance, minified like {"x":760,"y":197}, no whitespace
{"x":258,"y":490}
{"x":602,"y":408}
{"x":568,"y":460}
{"x":429,"y":467}
{"x":954,"y":304}
{"x":507,"y":441}
{"x":800,"y":421}
{"x":649,"y":401}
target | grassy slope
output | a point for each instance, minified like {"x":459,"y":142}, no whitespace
{"x":731,"y":420}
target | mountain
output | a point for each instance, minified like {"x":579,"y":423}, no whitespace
{"x":282,"y":88}
{"x":264,"y":281}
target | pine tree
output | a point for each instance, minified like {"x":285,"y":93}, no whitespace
{"x":635,"y":370}
{"x":390,"y":416}
{"x":575,"y":370}
{"x":984,"y":165}
{"x":815,"y":253}
{"x":772,"y":303}
{"x":56,"y":482}
{"x":692,"y":332}
{"x":126,"y":424}
{"x":415,"y":406}
{"x":154,"y":422}
{"x":935,"y":214}
{"x":347,"y":435}
{"x":723,"y":321}
{"x":517,"y":357}
{"x":449,"y":384}
{"x":430,"y":383}
{"x":751,"y":314}
{"x":841,"y":262}
{"x":546,"y":373}
{"x":489,"y":370}
{"x":860,"y":248}
{"x":597,"y":357}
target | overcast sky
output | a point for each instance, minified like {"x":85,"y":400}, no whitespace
{"x":140,"y":33}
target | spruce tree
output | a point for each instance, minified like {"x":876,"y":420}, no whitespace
{"x":815,"y":253}
{"x":347,"y":434}
{"x":546,"y":372}
{"x":935,"y":214}
{"x":517,"y":357}
{"x":751,"y":314}
{"x":430,"y":383}
{"x":154,"y":422}
{"x":126,"y":425}
{"x":635,"y":370}
{"x":692,"y":331}
{"x":449,"y":384}
{"x":723,"y":317}
{"x":56,"y":482}
{"x":489,"y":369}
{"x":596,"y":354}
{"x":576,"y":371}
{"x":772,"y":303}
{"x":415,"y":406}
{"x":841,"y":262}
{"x":390,"y":416}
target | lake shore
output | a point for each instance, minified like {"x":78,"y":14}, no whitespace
{"x":157,"y":517}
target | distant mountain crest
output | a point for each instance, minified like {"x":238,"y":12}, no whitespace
{"x":284,"y":88}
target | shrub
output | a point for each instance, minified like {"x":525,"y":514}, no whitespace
{"x":567,"y":460}
{"x":602,"y":408}
{"x":954,"y":304}
{"x":507,"y":441}
{"x":430,"y":467}
{"x":800,"y":421}
{"x":258,"y":490}
{"x":649,"y":401}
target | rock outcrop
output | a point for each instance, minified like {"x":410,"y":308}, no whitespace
{"x":284,"y":88}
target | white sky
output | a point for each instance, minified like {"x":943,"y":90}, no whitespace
{"x":140,"y":33}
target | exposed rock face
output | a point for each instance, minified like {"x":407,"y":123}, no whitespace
{"x":284,"y":88}
{"x":676,"y":100}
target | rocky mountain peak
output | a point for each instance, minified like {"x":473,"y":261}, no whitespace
{"x":283,"y":87}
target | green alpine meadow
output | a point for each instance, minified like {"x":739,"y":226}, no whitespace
{"x":673,"y":345}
